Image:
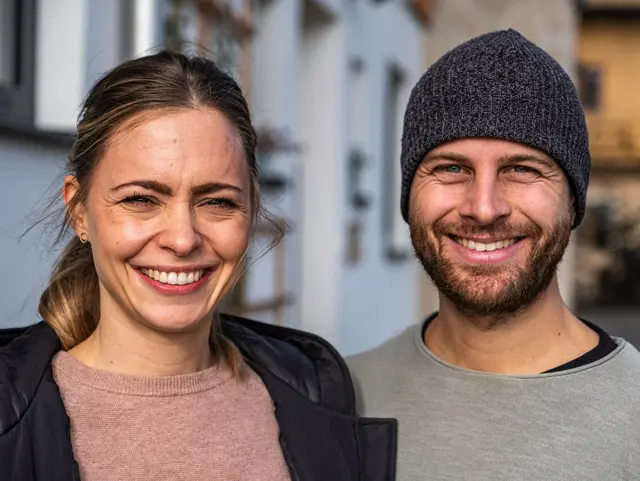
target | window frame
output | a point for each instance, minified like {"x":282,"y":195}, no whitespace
{"x":17,"y":101}
{"x":395,"y":235}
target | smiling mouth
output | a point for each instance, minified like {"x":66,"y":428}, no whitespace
{"x":175,"y":278}
{"x":486,"y":246}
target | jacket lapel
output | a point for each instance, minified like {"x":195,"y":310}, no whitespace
{"x":320,"y":444}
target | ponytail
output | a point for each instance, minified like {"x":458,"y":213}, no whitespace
{"x":224,"y":349}
{"x":71,"y":302}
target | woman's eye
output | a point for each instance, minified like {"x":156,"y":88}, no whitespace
{"x":138,"y":200}
{"x":221,"y":203}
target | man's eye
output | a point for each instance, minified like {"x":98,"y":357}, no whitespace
{"x":522,"y":169}
{"x":450,"y":169}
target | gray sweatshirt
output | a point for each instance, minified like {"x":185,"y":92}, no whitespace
{"x":456,"y":424}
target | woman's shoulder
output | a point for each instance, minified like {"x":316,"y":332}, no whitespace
{"x":25,"y":356}
{"x":304,"y":361}
{"x":22,"y":341}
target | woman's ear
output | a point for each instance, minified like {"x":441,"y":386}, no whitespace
{"x":74,"y":207}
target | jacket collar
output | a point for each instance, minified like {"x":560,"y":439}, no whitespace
{"x":304,"y":361}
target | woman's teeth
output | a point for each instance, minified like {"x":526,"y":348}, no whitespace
{"x":174,"y":278}
{"x":482,"y":247}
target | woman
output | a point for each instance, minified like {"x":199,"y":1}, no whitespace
{"x":132,"y":375}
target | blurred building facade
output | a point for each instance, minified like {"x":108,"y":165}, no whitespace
{"x":327,"y":81}
{"x":330,"y":81}
{"x":50,"y":53}
{"x":551,"y":24}
{"x":609,"y":74}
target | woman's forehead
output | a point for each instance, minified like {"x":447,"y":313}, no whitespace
{"x":193,"y":146}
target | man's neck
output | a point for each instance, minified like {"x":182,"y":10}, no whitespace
{"x":540,"y":338}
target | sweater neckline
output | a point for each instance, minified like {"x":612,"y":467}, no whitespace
{"x":64,"y":364}
{"x":416,"y":335}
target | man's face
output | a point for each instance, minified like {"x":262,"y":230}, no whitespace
{"x":490,"y":221}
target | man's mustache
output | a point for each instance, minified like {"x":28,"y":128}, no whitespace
{"x":499,"y":229}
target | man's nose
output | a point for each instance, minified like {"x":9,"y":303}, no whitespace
{"x":484,"y":201}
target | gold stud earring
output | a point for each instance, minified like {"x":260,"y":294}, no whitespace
{"x":83,"y":238}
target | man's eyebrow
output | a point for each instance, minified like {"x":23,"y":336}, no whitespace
{"x":540,"y":159}
{"x":452,"y":156}
{"x":505,"y":159}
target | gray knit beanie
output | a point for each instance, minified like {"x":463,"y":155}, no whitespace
{"x":498,"y":85}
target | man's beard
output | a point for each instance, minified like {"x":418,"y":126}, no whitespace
{"x":491,"y":294}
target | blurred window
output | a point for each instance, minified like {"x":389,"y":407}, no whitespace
{"x":604,"y":226}
{"x":397,"y":243}
{"x":217,"y":26}
{"x":126,"y":30}
{"x":8,"y":42}
{"x":590,"y":86}
{"x":223,"y":28}
{"x":17,"y":38}
{"x":225,"y":46}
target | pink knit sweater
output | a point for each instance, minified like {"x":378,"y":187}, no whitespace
{"x":198,"y":427}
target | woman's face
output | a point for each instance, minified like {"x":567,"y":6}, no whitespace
{"x":168,"y":215}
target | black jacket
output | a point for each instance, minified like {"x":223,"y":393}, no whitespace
{"x":321,"y":436}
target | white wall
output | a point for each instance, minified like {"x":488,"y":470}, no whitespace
{"x":105,"y":42}
{"x":323,"y":60}
{"x":379,"y":294}
{"x":62,"y":29}
{"x":275,"y":74}
{"x":77,"y":41}
{"x":301,"y":82}
{"x":29,"y":172}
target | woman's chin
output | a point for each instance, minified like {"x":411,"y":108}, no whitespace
{"x":175,"y":321}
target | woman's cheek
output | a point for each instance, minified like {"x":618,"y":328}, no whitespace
{"x":230,"y":239}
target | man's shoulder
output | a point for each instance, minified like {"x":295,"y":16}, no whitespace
{"x":624,"y":362}
{"x":388,"y":353}
{"x":375,"y":372}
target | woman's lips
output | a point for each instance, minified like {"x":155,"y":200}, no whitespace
{"x":175,"y":282}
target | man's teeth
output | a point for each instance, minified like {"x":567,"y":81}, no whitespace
{"x":482,"y":247}
{"x":174,"y":278}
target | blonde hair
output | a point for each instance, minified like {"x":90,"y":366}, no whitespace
{"x":165,"y":81}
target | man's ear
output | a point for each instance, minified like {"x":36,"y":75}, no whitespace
{"x":74,"y":207}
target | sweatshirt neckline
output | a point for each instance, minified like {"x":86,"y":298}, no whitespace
{"x":425,"y":351}
{"x":64,"y":364}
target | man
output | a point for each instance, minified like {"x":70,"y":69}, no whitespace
{"x":503,"y":382}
